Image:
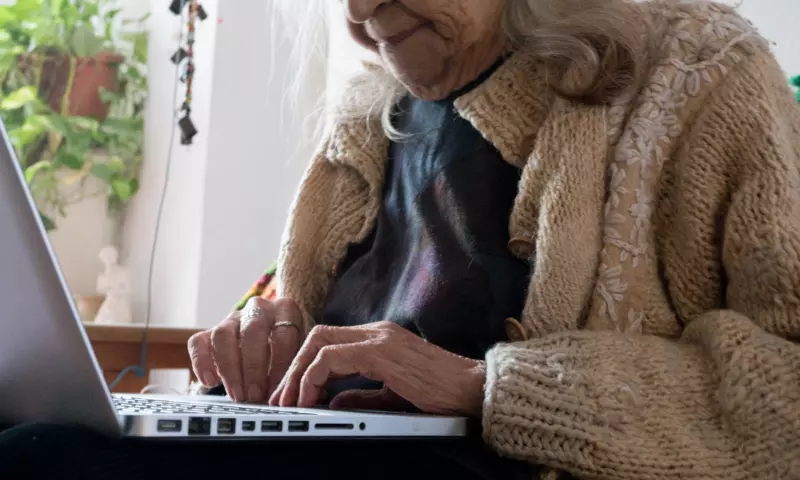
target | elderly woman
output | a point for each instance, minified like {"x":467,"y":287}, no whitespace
{"x":577,"y":221}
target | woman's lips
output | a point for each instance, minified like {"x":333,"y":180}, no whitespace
{"x":399,"y":38}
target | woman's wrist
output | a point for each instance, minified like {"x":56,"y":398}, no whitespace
{"x":474,"y":383}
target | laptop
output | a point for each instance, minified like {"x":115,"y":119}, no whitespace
{"x":48,"y":371}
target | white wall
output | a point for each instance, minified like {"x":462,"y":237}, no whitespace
{"x":229,"y":193}
{"x":778,"y":21}
{"x":257,"y":153}
{"x":177,"y":257}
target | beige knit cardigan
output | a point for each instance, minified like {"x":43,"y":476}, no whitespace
{"x":664,"y":235}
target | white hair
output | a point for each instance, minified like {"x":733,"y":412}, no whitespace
{"x":301,"y":28}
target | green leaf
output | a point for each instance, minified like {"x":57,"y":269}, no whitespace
{"x":123,"y":189}
{"x":101,"y":171}
{"x":124,"y":131}
{"x":133,"y":73}
{"x":69,"y":159}
{"x":796,"y":81}
{"x":84,"y":123}
{"x":123,"y":125}
{"x":116,"y":165}
{"x":49,"y":224}
{"x":85,"y":42}
{"x":142,"y":19}
{"x":90,"y":9}
{"x":7,"y":62}
{"x":13,"y":51}
{"x":111,"y":14}
{"x":26,"y":8}
{"x":140,"y":44}
{"x":30,"y":131}
{"x":107,"y":96}
{"x":7,"y":16}
{"x":42,"y":166}
{"x":61,"y":125}
{"x":43,"y":122}
{"x":5,"y":37}
{"x":80,"y":141}
{"x":19,"y":98}
{"x":56,"y":6}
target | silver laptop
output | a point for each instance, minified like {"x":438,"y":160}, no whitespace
{"x":48,"y":371}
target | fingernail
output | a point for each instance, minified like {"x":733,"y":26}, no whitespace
{"x":208,"y":379}
{"x":253,"y":393}
{"x":238,"y":396}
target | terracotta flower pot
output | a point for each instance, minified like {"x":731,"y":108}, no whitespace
{"x":91,"y":73}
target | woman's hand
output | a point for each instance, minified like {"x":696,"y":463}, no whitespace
{"x":424,"y":375}
{"x":250,"y":350}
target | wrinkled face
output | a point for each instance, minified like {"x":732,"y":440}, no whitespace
{"x":432,"y":46}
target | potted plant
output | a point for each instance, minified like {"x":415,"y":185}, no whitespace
{"x":72,"y":95}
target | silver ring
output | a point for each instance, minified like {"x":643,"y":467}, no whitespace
{"x":253,"y":312}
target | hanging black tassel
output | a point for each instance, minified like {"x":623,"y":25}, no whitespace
{"x":179,"y":56}
{"x":188,"y":130}
{"x":201,"y":13}
{"x":177,"y":5}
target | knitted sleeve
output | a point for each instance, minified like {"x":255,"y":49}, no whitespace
{"x":723,"y":401}
{"x":298,"y":275}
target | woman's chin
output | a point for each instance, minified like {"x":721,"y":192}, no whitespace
{"x":420,"y":67}
{"x":426,"y":83}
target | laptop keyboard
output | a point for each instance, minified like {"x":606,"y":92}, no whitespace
{"x":173,"y":407}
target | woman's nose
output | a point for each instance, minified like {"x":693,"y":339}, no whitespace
{"x":359,"y":11}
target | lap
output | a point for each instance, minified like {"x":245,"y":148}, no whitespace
{"x":50,"y":451}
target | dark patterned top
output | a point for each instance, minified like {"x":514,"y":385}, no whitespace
{"x":437,"y":262}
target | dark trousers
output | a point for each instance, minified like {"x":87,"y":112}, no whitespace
{"x":58,"y":452}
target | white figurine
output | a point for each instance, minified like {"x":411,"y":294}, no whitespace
{"x":115,"y":284}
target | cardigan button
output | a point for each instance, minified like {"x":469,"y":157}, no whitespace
{"x":521,"y":247}
{"x":515,"y":331}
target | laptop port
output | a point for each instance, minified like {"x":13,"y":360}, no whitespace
{"x":248,"y":426}
{"x":295,"y":426}
{"x":271,"y":426}
{"x":334,"y":426}
{"x":169,"y":426}
{"x":226,"y":426}
{"x":200,"y":426}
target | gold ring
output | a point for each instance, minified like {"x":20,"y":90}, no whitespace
{"x":286,"y":324}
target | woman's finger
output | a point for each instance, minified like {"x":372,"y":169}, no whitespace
{"x":335,"y":361}
{"x":225,"y":352}
{"x":285,"y":340}
{"x":319,"y":337}
{"x":383,"y":399}
{"x":256,"y":321}
{"x":202,"y":362}
{"x":275,"y":398}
